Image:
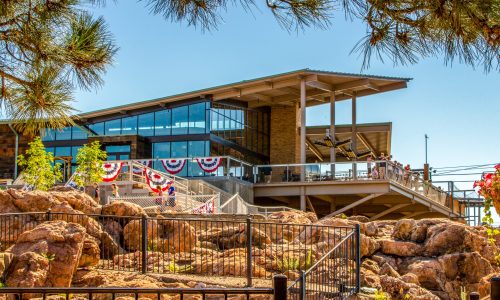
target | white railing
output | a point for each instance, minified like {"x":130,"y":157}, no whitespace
{"x":180,"y":203}
{"x":236,"y":205}
{"x":350,"y":171}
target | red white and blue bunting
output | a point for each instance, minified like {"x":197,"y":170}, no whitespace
{"x":111,"y":171}
{"x":209,"y":164}
{"x":207,"y":208}
{"x":173,"y":166}
{"x":154,"y":180}
{"x":144,"y":162}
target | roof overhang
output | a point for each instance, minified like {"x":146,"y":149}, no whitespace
{"x":279,"y":89}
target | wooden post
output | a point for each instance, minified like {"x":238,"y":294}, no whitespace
{"x":332,"y":133}
{"x":354,"y":137}
{"x":302,"y":139}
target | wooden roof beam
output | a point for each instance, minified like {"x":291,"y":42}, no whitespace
{"x":262,"y":87}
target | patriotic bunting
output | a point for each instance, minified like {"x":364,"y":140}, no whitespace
{"x":207,"y":208}
{"x":154,"y":180}
{"x":173,"y":166}
{"x":144,"y":162}
{"x":209,"y":164}
{"x":111,"y":171}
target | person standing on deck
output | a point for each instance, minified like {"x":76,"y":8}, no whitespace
{"x":171,"y":195}
{"x":369,"y":165}
{"x":381,"y":167}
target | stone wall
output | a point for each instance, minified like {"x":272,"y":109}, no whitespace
{"x":285,"y":135}
{"x":7,"y":150}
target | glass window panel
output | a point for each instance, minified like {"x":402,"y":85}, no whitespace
{"x":63,"y":134}
{"x":179,"y":149}
{"x":78,"y":133}
{"x":208,"y":115}
{"x":129,"y":125}
{"x":197,"y":118}
{"x":50,"y":149}
{"x":160,"y":150}
{"x":163,"y":122}
{"x":74,"y":152}
{"x":196,"y":149}
{"x":98,"y":128}
{"x":48,"y":135}
{"x":146,"y":124}
{"x":118,"y":148}
{"x":180,"y":120}
{"x":113,"y":127}
{"x":62,"y":151}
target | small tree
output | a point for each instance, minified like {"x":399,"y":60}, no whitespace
{"x":89,"y":160}
{"x":39,"y":169}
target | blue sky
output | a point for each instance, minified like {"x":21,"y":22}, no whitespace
{"x":458,"y":107}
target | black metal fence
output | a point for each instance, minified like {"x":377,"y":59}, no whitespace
{"x":224,"y":247}
{"x":143,"y":293}
{"x":334,"y":276}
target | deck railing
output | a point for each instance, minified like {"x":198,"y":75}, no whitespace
{"x":353,"y":171}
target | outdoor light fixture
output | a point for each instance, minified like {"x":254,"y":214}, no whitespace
{"x":328,"y":139}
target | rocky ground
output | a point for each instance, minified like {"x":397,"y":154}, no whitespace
{"x":406,"y":259}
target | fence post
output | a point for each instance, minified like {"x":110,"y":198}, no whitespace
{"x":358,"y":256}
{"x":280,"y":287}
{"x":302,"y":286}
{"x":144,"y":244}
{"x":474,"y":296}
{"x":49,"y":215}
{"x":495,"y":288}
{"x":249,"y":251}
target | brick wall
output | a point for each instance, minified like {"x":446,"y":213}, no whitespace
{"x":7,"y":150}
{"x":285,"y":135}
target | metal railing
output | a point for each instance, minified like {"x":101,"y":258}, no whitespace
{"x":78,"y":293}
{"x":237,"y":205}
{"x":335,"y":276}
{"x":351,"y":171}
{"x":203,"y":246}
{"x":178,"y":203}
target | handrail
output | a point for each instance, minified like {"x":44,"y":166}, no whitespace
{"x":329,"y":252}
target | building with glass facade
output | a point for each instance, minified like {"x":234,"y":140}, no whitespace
{"x":258,"y":121}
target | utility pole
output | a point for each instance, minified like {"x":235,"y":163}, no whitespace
{"x":426,"y":138}
{"x":426,"y":165}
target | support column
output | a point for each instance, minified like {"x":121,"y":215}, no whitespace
{"x":354,"y":137}
{"x":302,"y":140}
{"x":333,"y":156}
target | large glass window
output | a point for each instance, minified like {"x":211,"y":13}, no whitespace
{"x":98,"y":128}
{"x":48,"y":135}
{"x":179,"y":149}
{"x":197,"y":118}
{"x":74,"y":152}
{"x":118,"y":149}
{"x":62,"y":151}
{"x":180,"y":120}
{"x":78,"y":133}
{"x":129,"y":125}
{"x":163,"y":122}
{"x":160,"y":150}
{"x":113,"y":127}
{"x":63,"y":134}
{"x":196,"y":149}
{"x":146,"y":124}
